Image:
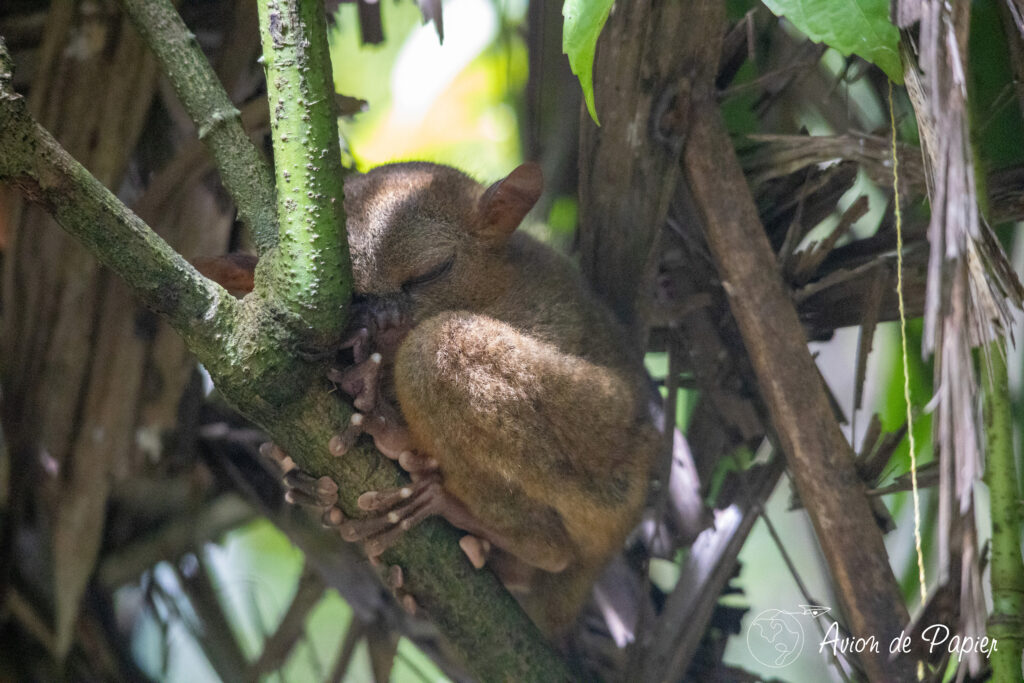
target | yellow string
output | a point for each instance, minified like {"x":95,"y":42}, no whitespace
{"x":903,"y":341}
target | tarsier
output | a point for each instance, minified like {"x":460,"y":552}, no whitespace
{"x":485,"y":368}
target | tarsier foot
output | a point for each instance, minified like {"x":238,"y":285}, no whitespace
{"x":400,"y":510}
{"x":305,"y":489}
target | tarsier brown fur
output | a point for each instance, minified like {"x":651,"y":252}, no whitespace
{"x":491,"y":374}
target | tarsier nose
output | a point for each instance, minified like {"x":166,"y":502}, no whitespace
{"x":379,"y":311}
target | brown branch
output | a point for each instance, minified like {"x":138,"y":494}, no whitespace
{"x":819,"y":456}
{"x":649,"y":57}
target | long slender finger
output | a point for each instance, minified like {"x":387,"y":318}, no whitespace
{"x":419,"y":510}
{"x":305,"y":489}
{"x":384,"y":529}
{"x":359,"y":342}
{"x":384,"y":500}
{"x":355,"y":530}
{"x":341,"y":443}
{"x":412,"y":461}
{"x":390,"y":498}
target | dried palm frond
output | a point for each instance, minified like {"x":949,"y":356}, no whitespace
{"x":970,"y":288}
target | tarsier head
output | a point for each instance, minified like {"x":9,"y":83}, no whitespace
{"x":429,"y":238}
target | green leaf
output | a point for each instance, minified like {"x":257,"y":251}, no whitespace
{"x":584,"y":20}
{"x":861,"y":27}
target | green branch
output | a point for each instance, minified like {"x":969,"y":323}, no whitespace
{"x":243,"y":169}
{"x":1006,"y":623}
{"x":311,"y":272}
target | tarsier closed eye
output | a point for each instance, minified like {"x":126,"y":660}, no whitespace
{"x":430,"y":275}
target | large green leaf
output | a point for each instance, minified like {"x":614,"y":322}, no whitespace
{"x":584,"y":20}
{"x":861,"y":27}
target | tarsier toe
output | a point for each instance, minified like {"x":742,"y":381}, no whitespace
{"x":395,"y":578}
{"x":350,"y":532}
{"x":476,"y":550}
{"x":360,"y":381}
{"x":333,"y":517}
{"x":272,"y":452}
{"x":410,"y":605}
{"x":326,"y":491}
{"x":416,"y":462}
{"x":383,"y":500}
{"x":375,"y":548}
{"x":305,"y":489}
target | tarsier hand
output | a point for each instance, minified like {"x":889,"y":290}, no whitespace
{"x":379,"y":331}
{"x":376,"y":332}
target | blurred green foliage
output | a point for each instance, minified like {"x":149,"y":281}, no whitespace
{"x":451,"y":104}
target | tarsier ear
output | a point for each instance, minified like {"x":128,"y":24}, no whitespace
{"x":505,"y":203}
{"x":234,"y":272}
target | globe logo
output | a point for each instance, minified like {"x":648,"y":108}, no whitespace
{"x":775,"y":638}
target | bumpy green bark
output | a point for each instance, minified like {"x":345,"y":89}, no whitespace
{"x":1006,"y":623}
{"x":311,"y":272}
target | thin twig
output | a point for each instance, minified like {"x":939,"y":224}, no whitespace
{"x":801,"y":586}
{"x":244,"y":170}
